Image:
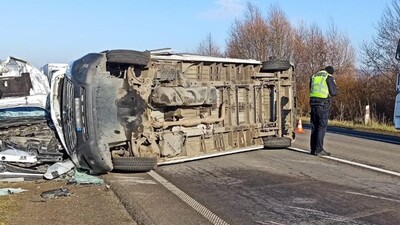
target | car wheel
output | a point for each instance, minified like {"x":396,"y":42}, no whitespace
{"x":134,"y":164}
{"x":128,"y":57}
{"x":274,"y":66}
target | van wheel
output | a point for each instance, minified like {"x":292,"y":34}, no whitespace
{"x":276,"y":142}
{"x":128,"y":57}
{"x":274,"y":66}
{"x":134,"y":164}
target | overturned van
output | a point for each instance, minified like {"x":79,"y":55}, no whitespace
{"x":130,"y":110}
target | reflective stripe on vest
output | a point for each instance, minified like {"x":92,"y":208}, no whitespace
{"x":319,"y":87}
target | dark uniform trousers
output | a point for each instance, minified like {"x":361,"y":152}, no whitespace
{"x":319,"y":123}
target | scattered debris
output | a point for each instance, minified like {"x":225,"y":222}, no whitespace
{"x":80,"y":177}
{"x":26,"y":176}
{"x":55,"y":193}
{"x":8,"y":191}
{"x":15,"y":155}
{"x":12,"y":179}
{"x":58,"y":169}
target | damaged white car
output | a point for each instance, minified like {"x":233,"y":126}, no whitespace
{"x":28,"y":141}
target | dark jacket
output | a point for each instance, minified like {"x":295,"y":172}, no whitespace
{"x":330,"y":81}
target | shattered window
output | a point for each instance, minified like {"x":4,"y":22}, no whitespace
{"x":22,"y":113}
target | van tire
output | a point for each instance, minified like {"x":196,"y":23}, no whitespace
{"x":128,"y":57}
{"x":274,"y":66}
{"x":276,"y":142}
{"x":134,"y":164}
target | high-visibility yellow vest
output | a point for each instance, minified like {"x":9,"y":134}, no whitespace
{"x":319,"y":87}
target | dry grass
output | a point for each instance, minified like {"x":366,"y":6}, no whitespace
{"x":8,"y":208}
{"x":372,"y":127}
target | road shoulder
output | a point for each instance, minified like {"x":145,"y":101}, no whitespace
{"x":87,"y":204}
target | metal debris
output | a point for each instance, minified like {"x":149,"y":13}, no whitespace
{"x":55,"y":193}
{"x":15,"y":155}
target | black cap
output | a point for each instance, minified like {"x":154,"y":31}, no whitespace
{"x":329,"y":69}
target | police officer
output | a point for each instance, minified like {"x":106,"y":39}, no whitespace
{"x":322,"y":89}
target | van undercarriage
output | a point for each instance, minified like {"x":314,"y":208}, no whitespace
{"x":127,"y":110}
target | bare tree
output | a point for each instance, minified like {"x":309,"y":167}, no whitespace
{"x":341,"y":55}
{"x":378,"y":55}
{"x":308,"y":47}
{"x":261,"y":38}
{"x":208,"y":47}
{"x":309,"y":56}
{"x":379,"y":66}
{"x":280,"y":35}
{"x":313,"y":50}
{"x":249,"y":38}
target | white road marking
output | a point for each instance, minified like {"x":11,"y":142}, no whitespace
{"x":214,"y":219}
{"x":269,"y":222}
{"x":352,"y":163}
{"x":298,"y":150}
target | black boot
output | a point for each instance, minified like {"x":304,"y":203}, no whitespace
{"x":323,"y":153}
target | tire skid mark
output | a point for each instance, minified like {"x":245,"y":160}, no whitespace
{"x":372,"y":196}
{"x":363,"y":214}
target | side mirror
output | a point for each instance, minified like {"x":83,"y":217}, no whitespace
{"x":398,"y":51}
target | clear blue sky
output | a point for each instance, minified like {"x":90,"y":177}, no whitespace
{"x":43,"y":31}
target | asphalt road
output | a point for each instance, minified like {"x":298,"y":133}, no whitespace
{"x":382,"y":151}
{"x":270,"y":187}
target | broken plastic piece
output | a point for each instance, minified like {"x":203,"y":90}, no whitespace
{"x":7,"y":174}
{"x":12,"y":179}
{"x":14,"y":155}
{"x":81,"y":177}
{"x":58,"y":169}
{"x":8,"y":191}
{"x":55,"y":193}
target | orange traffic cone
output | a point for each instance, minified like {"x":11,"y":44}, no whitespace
{"x":299,"y":128}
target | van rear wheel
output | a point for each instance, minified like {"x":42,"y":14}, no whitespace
{"x":276,"y":142}
{"x":128,"y":57}
{"x":134,"y":164}
{"x":275,"y":66}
